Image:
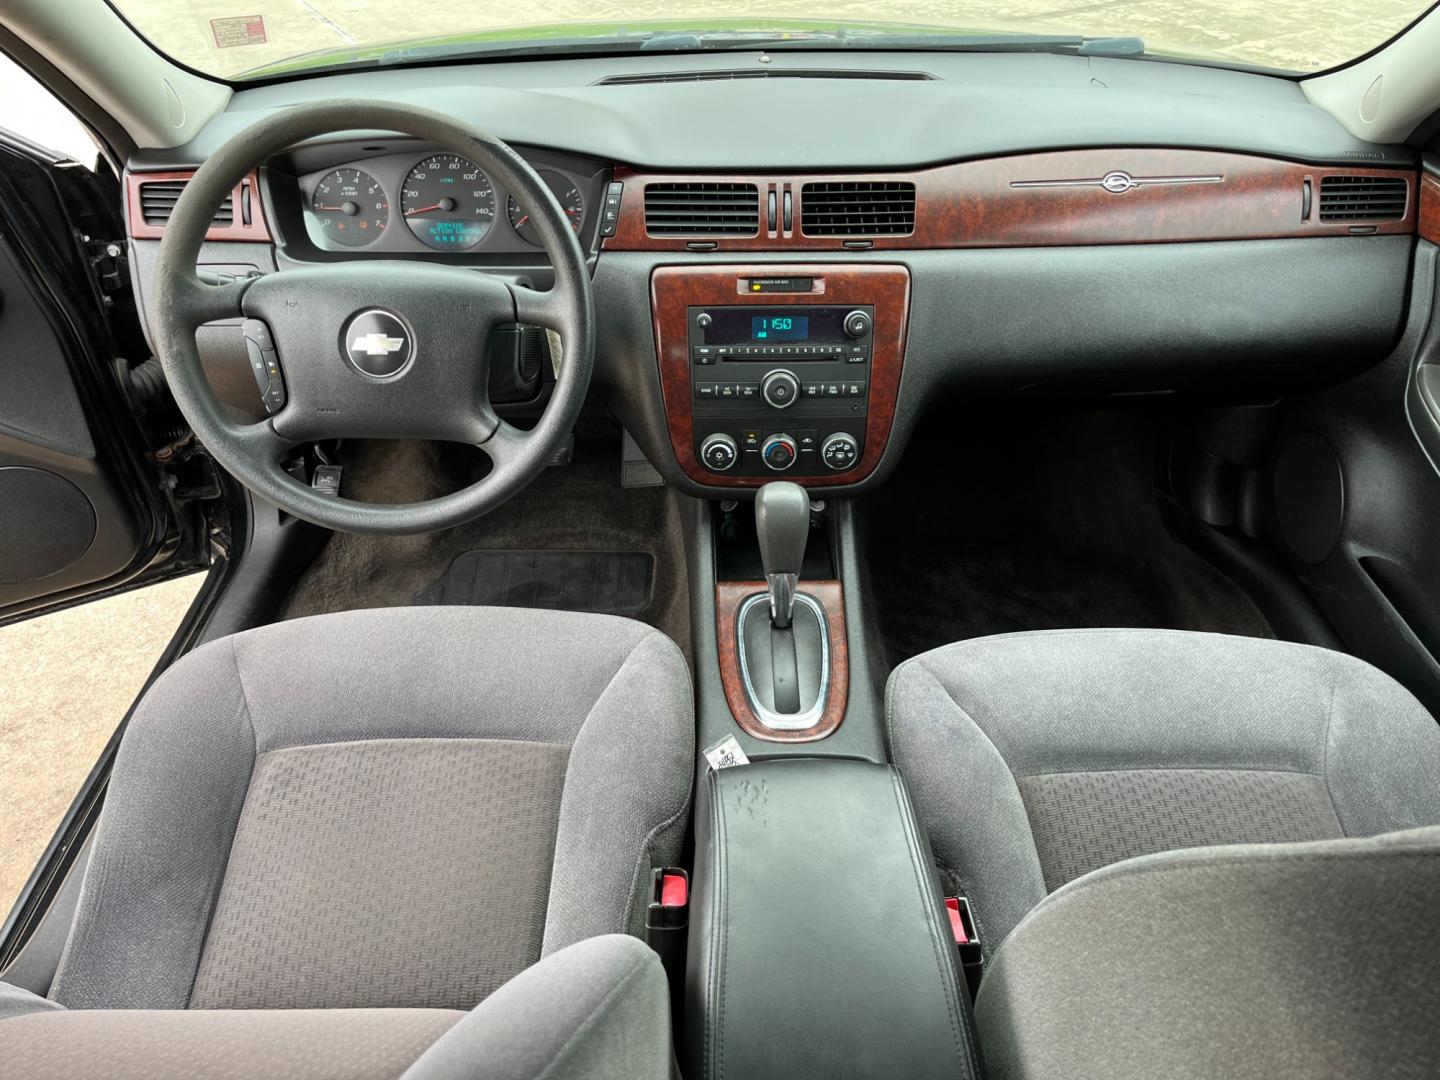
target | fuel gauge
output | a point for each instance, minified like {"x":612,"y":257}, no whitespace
{"x":566,"y":193}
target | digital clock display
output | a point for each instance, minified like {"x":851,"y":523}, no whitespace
{"x":780,"y":327}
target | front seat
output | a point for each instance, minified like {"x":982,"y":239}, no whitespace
{"x":1184,"y":851}
{"x":397,"y":809}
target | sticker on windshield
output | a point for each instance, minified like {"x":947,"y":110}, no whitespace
{"x":726,"y":753}
{"x":238,"y":30}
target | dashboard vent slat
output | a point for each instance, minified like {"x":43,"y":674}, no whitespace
{"x":1363,"y":198}
{"x":702,"y":209}
{"x":158,"y":199}
{"x":858,"y":208}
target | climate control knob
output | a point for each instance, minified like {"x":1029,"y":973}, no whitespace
{"x":839,"y":451}
{"x":779,"y":452}
{"x":857,"y":324}
{"x":718,"y":452}
{"x":780,"y":388}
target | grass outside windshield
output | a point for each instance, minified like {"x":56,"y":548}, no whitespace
{"x":234,"y":39}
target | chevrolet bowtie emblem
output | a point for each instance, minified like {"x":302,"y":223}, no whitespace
{"x":376,"y":344}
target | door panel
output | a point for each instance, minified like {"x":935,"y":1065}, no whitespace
{"x":81,"y":509}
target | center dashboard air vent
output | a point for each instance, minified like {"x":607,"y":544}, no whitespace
{"x":858,"y":208}
{"x":1363,"y":198}
{"x":702,"y":209}
{"x":158,"y":199}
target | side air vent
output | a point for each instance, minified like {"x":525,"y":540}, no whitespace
{"x":858,"y":208}
{"x":158,"y":199}
{"x":760,"y":73}
{"x":702,"y":209}
{"x":1363,"y":198}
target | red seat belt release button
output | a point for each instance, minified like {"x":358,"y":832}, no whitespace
{"x":674,"y":891}
{"x":957,"y":924}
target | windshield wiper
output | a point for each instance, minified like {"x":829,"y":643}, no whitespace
{"x":950,"y":42}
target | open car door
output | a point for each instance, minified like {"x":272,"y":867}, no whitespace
{"x":97,"y":487}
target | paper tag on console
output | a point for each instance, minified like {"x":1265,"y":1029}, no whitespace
{"x":725,"y":754}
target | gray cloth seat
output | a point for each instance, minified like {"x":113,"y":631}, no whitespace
{"x":599,"y":1008}
{"x":1184,"y":851}
{"x":386,"y":809}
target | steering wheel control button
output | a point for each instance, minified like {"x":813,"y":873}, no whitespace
{"x":840,"y":451}
{"x":264,"y":364}
{"x":857,"y":324}
{"x":718,"y":452}
{"x":779,"y":452}
{"x":780,"y":389}
{"x":377,"y":344}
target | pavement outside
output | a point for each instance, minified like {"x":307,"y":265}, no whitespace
{"x":66,"y":681}
{"x":1292,"y":34}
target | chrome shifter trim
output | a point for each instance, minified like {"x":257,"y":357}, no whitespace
{"x":785,"y":721}
{"x":782,"y":597}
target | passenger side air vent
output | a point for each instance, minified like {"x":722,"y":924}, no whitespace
{"x":858,"y":208}
{"x":1363,"y":198}
{"x":158,"y":199}
{"x":702,"y":209}
{"x":760,"y":73}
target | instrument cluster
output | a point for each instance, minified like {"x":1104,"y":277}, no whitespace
{"x":435,"y":201}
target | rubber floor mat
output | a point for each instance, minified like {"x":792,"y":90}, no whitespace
{"x":616,"y":583}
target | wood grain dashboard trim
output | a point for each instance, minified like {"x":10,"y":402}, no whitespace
{"x":249,"y":188}
{"x":976,"y":203}
{"x":673,"y":289}
{"x":729,"y":595}
{"x":1429,"y":208}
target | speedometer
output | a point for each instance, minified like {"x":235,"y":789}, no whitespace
{"x":448,"y":202}
{"x":350,"y":207}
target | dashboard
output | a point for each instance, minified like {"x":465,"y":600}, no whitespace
{"x":790,"y":297}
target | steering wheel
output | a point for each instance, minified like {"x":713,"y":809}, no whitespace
{"x":378,"y":349}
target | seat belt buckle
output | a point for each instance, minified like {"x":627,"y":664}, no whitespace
{"x":667,"y":925}
{"x":967,"y":940}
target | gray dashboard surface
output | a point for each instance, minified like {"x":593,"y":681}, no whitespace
{"x":974,"y":105}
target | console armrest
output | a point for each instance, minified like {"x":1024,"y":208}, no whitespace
{"x":819,"y":944}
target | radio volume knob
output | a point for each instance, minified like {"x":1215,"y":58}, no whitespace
{"x":857,"y":324}
{"x":780,"y":389}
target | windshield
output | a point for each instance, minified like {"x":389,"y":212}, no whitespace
{"x":240,"y":39}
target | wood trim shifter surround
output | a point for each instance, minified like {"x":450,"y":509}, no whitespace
{"x":729,"y":595}
{"x":674,"y":289}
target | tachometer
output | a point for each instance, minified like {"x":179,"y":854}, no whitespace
{"x":350,"y":207}
{"x":448,"y":202}
{"x":569,"y":197}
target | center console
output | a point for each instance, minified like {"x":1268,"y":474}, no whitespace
{"x":819,"y":944}
{"x":780,"y":372}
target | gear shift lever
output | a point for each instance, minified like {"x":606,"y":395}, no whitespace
{"x":782,"y":521}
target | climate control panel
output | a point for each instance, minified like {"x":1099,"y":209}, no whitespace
{"x":782,"y":390}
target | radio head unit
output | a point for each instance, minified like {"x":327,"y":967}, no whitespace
{"x":781,"y":389}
